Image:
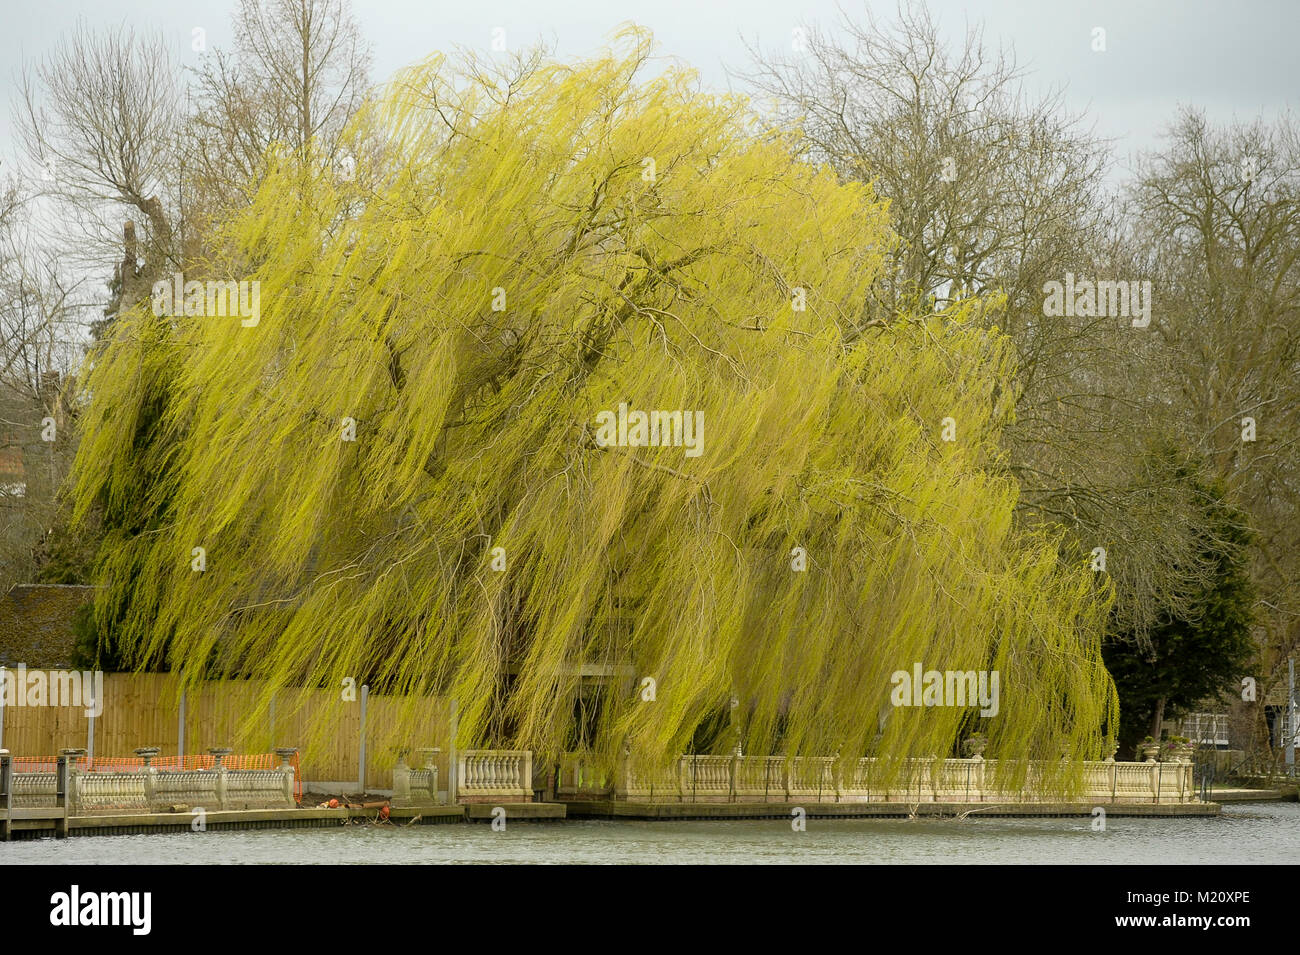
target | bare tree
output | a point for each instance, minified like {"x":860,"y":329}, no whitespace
{"x":100,"y":119}
{"x":40,"y":319}
{"x":993,"y":192}
{"x":297,"y":76}
{"x":1218,"y":210}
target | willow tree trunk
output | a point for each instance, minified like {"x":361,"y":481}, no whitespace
{"x":1157,"y":717}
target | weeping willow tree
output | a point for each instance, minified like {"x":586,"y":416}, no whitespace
{"x":398,"y":473}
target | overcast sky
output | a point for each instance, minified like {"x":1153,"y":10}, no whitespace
{"x":1233,"y":58}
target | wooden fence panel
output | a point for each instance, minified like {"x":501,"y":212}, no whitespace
{"x":141,"y":709}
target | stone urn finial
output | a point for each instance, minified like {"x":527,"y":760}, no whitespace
{"x":286,"y":754}
{"x":218,"y":754}
{"x":147,"y":753}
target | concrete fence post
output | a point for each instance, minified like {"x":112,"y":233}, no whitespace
{"x":361,"y":747}
{"x":453,"y":776}
{"x":180,"y":734}
{"x":90,"y":735}
{"x":431,"y":764}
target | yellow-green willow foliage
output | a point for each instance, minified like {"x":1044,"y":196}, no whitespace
{"x":527,"y":254}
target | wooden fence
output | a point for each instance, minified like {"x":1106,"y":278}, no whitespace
{"x":144,"y":709}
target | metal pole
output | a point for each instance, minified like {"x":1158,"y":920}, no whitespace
{"x":4,"y":677}
{"x":361,"y":755}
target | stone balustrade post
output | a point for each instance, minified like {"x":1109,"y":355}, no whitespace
{"x":147,"y":753}
{"x":430,"y":756}
{"x":401,"y":780}
{"x":527,"y":780}
{"x":6,"y":787}
{"x":219,"y":753}
{"x":68,"y":774}
{"x":286,"y":754}
{"x":621,"y":773}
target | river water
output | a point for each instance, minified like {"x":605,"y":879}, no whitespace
{"x":1259,"y":833}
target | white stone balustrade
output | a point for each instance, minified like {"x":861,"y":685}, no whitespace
{"x":825,"y":779}
{"x":417,"y":786}
{"x":495,"y":774}
{"x":151,"y":790}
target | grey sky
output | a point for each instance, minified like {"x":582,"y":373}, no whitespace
{"x":1233,"y":58}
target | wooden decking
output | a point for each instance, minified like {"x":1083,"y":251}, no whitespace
{"x":42,"y":823}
